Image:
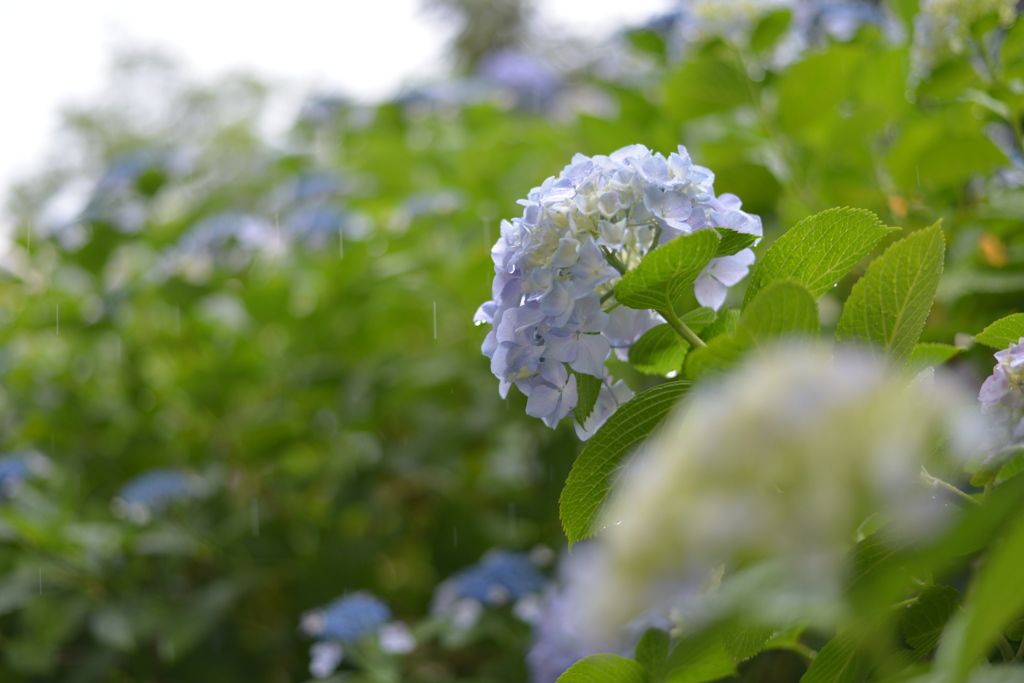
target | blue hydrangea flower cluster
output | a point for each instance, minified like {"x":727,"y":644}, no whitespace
{"x":561,"y":637}
{"x":347,"y":620}
{"x":554,"y":275}
{"x":1002,"y":396}
{"x":152,"y":492}
{"x":15,"y":468}
{"x":501,"y":577}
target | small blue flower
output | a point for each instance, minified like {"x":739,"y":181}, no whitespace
{"x":346,"y":620}
{"x":217,"y":231}
{"x":315,"y":185}
{"x":152,"y":492}
{"x":15,"y":468}
{"x":500,"y":577}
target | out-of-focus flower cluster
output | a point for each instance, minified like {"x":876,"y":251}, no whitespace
{"x":153,"y":492}
{"x":561,"y":637}
{"x":345,"y":623}
{"x":554,"y":273}
{"x":500,"y":578}
{"x":825,"y":443}
{"x":1002,"y":397}
{"x":15,"y":468}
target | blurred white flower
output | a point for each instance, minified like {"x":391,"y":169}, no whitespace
{"x":396,"y":638}
{"x":781,"y":461}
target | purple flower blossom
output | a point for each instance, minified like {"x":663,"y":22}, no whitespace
{"x":1002,"y":396}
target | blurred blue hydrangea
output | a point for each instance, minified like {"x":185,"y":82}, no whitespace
{"x":118,"y":196}
{"x":531,"y":80}
{"x":345,"y":622}
{"x":15,"y":468}
{"x":500,"y":577}
{"x":315,"y":185}
{"x":152,"y":492}
{"x":321,"y":109}
{"x":217,"y":231}
{"x":347,"y":619}
{"x":561,"y":633}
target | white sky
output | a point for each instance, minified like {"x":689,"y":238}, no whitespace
{"x":53,"y":52}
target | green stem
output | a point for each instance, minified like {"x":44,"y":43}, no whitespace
{"x":1005,"y":649}
{"x":938,"y":484}
{"x":1020,"y":652}
{"x":680,"y":327}
{"x":799,"y":648}
{"x":614,"y":261}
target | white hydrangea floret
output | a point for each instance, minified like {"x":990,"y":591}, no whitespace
{"x":781,"y":463}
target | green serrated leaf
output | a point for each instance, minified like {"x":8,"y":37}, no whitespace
{"x":819,"y":250}
{"x":783,"y":308}
{"x":838,"y":662}
{"x":922,"y":623}
{"x":931,"y":354}
{"x":665,"y":272}
{"x":888,"y":307}
{"x":652,"y":653}
{"x":591,"y":476}
{"x":659,"y":351}
{"x":768,"y":31}
{"x":745,"y":642}
{"x":699,"y":658}
{"x":733,"y":242}
{"x":587,"y":389}
{"x":1003,"y":332}
{"x":604,"y":669}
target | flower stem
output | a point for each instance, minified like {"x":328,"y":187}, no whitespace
{"x":938,"y":484}
{"x":1005,"y":649}
{"x":680,"y":327}
{"x":614,"y":261}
